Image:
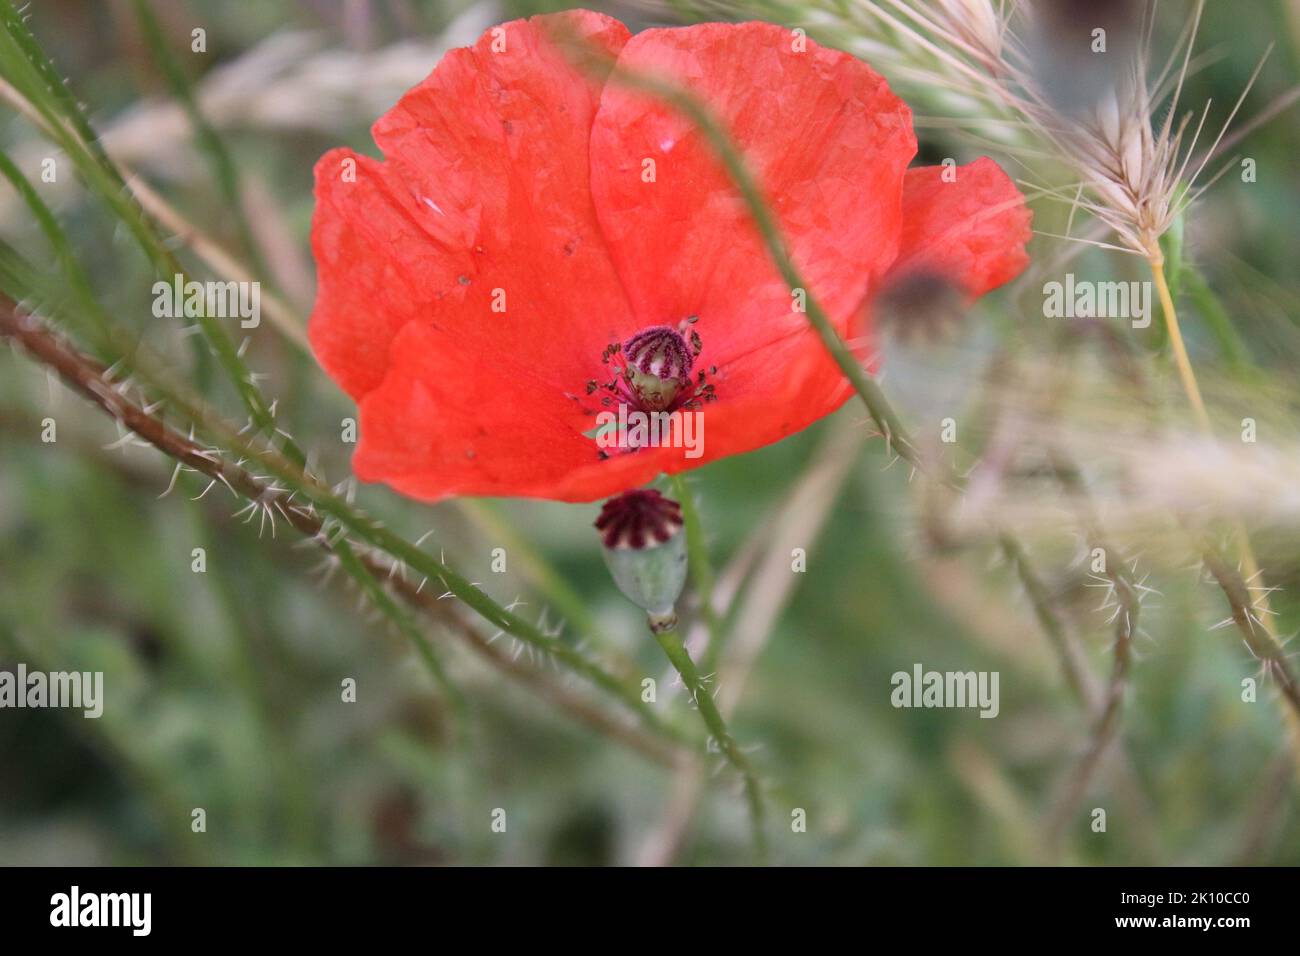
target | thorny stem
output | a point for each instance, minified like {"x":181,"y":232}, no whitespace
{"x":1262,"y":643}
{"x":1125,"y":592}
{"x":678,"y":656}
{"x":1107,"y":724}
{"x":697,"y":556}
{"x":1128,"y":602}
{"x":1257,"y":629}
{"x":89,"y":378}
{"x":1048,"y":619}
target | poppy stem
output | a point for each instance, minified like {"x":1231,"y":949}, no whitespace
{"x":314,"y":510}
{"x":680,"y":658}
{"x":697,"y":555}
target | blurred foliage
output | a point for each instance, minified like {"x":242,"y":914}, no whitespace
{"x":224,"y":688}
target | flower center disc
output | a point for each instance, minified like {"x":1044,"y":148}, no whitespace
{"x":659,"y":362}
{"x":653,"y":370}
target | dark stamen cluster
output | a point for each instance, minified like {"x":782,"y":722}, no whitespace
{"x":662,"y":354}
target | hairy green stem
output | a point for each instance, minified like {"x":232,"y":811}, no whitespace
{"x":219,"y":158}
{"x":677,"y":654}
{"x":325,"y":510}
{"x":57,"y":114}
{"x":697,"y":557}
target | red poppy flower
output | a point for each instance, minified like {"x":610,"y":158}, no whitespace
{"x":539,"y":246}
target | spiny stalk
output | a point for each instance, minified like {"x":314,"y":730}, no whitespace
{"x":262,"y":417}
{"x":701,"y":568}
{"x":223,"y":165}
{"x":702,"y":697}
{"x":1258,"y":629}
{"x":88,"y":377}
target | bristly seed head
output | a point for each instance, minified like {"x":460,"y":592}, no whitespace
{"x":638,"y":519}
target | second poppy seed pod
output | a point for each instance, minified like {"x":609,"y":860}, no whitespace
{"x":932,"y":357}
{"x":645,"y":551}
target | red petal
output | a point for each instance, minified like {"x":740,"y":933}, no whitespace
{"x":368,"y":243}
{"x":483,"y":200}
{"x":497,"y":431}
{"x":971,"y":230}
{"x":486,"y":188}
{"x":827,"y":141}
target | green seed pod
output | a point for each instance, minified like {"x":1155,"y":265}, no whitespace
{"x":645,"y":551}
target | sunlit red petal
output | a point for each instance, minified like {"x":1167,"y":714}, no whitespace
{"x":971,"y":230}
{"x":482,"y":204}
{"x":821,"y":131}
{"x":526,"y":216}
{"x":500,"y":431}
{"x":370,"y":248}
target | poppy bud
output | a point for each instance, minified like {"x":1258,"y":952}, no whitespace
{"x":645,"y":551}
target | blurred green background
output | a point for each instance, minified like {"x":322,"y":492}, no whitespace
{"x":223,"y":688}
